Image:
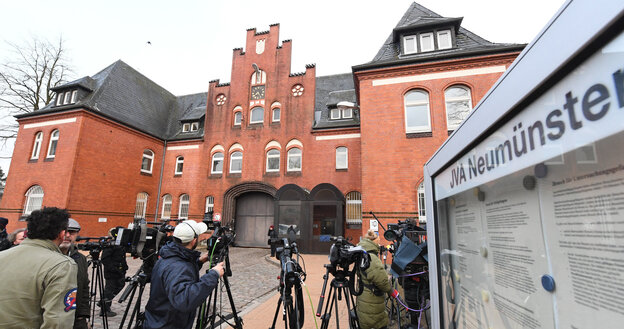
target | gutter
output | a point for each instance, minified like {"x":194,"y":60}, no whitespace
{"x":162,"y":168}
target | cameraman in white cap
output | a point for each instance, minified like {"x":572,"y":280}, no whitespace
{"x":176,"y":287}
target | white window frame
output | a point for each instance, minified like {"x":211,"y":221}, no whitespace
{"x":279,"y":114}
{"x":59,"y":99}
{"x":291,"y":155}
{"x":422,"y":211}
{"x":345,"y":111}
{"x":334,"y":114}
{"x":251,"y":112}
{"x":194,"y":126}
{"x":74,"y":96}
{"x":415,"y":129}
{"x":167,"y":202}
{"x":179,"y":166}
{"x":141,"y":205}
{"x":209,"y":204}
{"x":34,"y":199}
{"x":37,"y":145}
{"x":426,"y":46}
{"x":54,"y":137}
{"x":448,"y":100}
{"x":441,"y":35}
{"x":410,"y":39}
{"x":268,"y":156}
{"x":150,"y":157}
{"x":238,"y":118}
{"x":354,"y":207}
{"x":67,"y":97}
{"x":212,"y":165}
{"x":342,"y":151}
{"x":185,"y":204}
{"x":186,"y":127}
{"x":232,"y":158}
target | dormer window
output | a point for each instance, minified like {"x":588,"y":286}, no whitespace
{"x":68,"y":97}
{"x":343,"y":111}
{"x":444,"y":39}
{"x":190,"y":127}
{"x":427,"y":41}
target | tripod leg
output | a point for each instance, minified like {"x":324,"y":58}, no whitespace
{"x":328,"y":308}
{"x":354,"y":322}
{"x":237,"y":320}
{"x":279,"y":303}
{"x":100,"y":281}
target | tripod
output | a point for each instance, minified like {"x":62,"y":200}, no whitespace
{"x":291,"y":275}
{"x":208,"y":310}
{"x":339,"y":286}
{"x":139,"y":279}
{"x":97,"y":287}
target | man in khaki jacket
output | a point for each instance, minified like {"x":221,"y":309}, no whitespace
{"x":37,"y":282}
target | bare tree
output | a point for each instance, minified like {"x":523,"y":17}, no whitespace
{"x":26,"y":79}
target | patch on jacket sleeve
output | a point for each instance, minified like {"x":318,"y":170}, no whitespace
{"x":70,"y":300}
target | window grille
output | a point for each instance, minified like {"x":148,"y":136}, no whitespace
{"x":34,"y":199}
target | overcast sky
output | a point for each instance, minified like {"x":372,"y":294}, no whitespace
{"x":192,"y":41}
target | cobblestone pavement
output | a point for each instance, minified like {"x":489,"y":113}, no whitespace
{"x":254,"y":279}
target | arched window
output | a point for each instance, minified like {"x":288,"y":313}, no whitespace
{"x":236,"y":162}
{"x":342,"y":158}
{"x":179,"y":165}
{"x":257,"y":115}
{"x":37,"y":145}
{"x":146,"y":163}
{"x":417,"y":118}
{"x":238,"y":118}
{"x":458,"y":105}
{"x":354,"y":207}
{"x":273,"y":160}
{"x":209,"y":204}
{"x":276,"y":115}
{"x":54,"y":137}
{"x":422,"y":214}
{"x":294,"y":159}
{"x":217,"y":163}
{"x":185,"y":201}
{"x":34,"y":199}
{"x":167,"y":200}
{"x":258,"y":78}
{"x":141,"y":205}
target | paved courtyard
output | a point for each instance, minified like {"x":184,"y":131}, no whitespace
{"x":254,"y":279}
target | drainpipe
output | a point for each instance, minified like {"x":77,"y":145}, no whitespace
{"x":162,"y":167}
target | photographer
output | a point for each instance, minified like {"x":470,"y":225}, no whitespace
{"x":371,"y":307}
{"x":115,"y":267}
{"x":68,"y":247}
{"x":38,"y":282}
{"x":176,"y":288}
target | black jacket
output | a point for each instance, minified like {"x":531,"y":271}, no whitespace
{"x":82,"y":295}
{"x":176,"y":288}
{"x":114,"y":261}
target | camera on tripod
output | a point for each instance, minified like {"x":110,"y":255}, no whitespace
{"x":220,"y":241}
{"x":99,"y":245}
{"x":142,"y":241}
{"x":395,"y":232}
{"x":343,"y":253}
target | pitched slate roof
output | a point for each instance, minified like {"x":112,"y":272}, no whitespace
{"x":121,"y":93}
{"x":189,"y":108}
{"x":330,"y":90}
{"x":418,"y":17}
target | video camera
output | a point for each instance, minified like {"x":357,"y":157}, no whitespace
{"x":142,"y":241}
{"x":395,"y":232}
{"x":220,"y":241}
{"x":285,"y":248}
{"x":99,"y":245}
{"x":343,"y":253}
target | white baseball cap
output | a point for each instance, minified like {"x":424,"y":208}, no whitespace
{"x":189,"y":230}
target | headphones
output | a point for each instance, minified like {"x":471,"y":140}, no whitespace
{"x":194,"y":232}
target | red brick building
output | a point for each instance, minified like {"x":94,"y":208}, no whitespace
{"x":270,"y":147}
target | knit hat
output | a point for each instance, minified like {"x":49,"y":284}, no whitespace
{"x":189,"y":230}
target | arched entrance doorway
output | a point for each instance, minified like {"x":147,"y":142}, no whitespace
{"x":254,"y":215}
{"x":327,"y":216}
